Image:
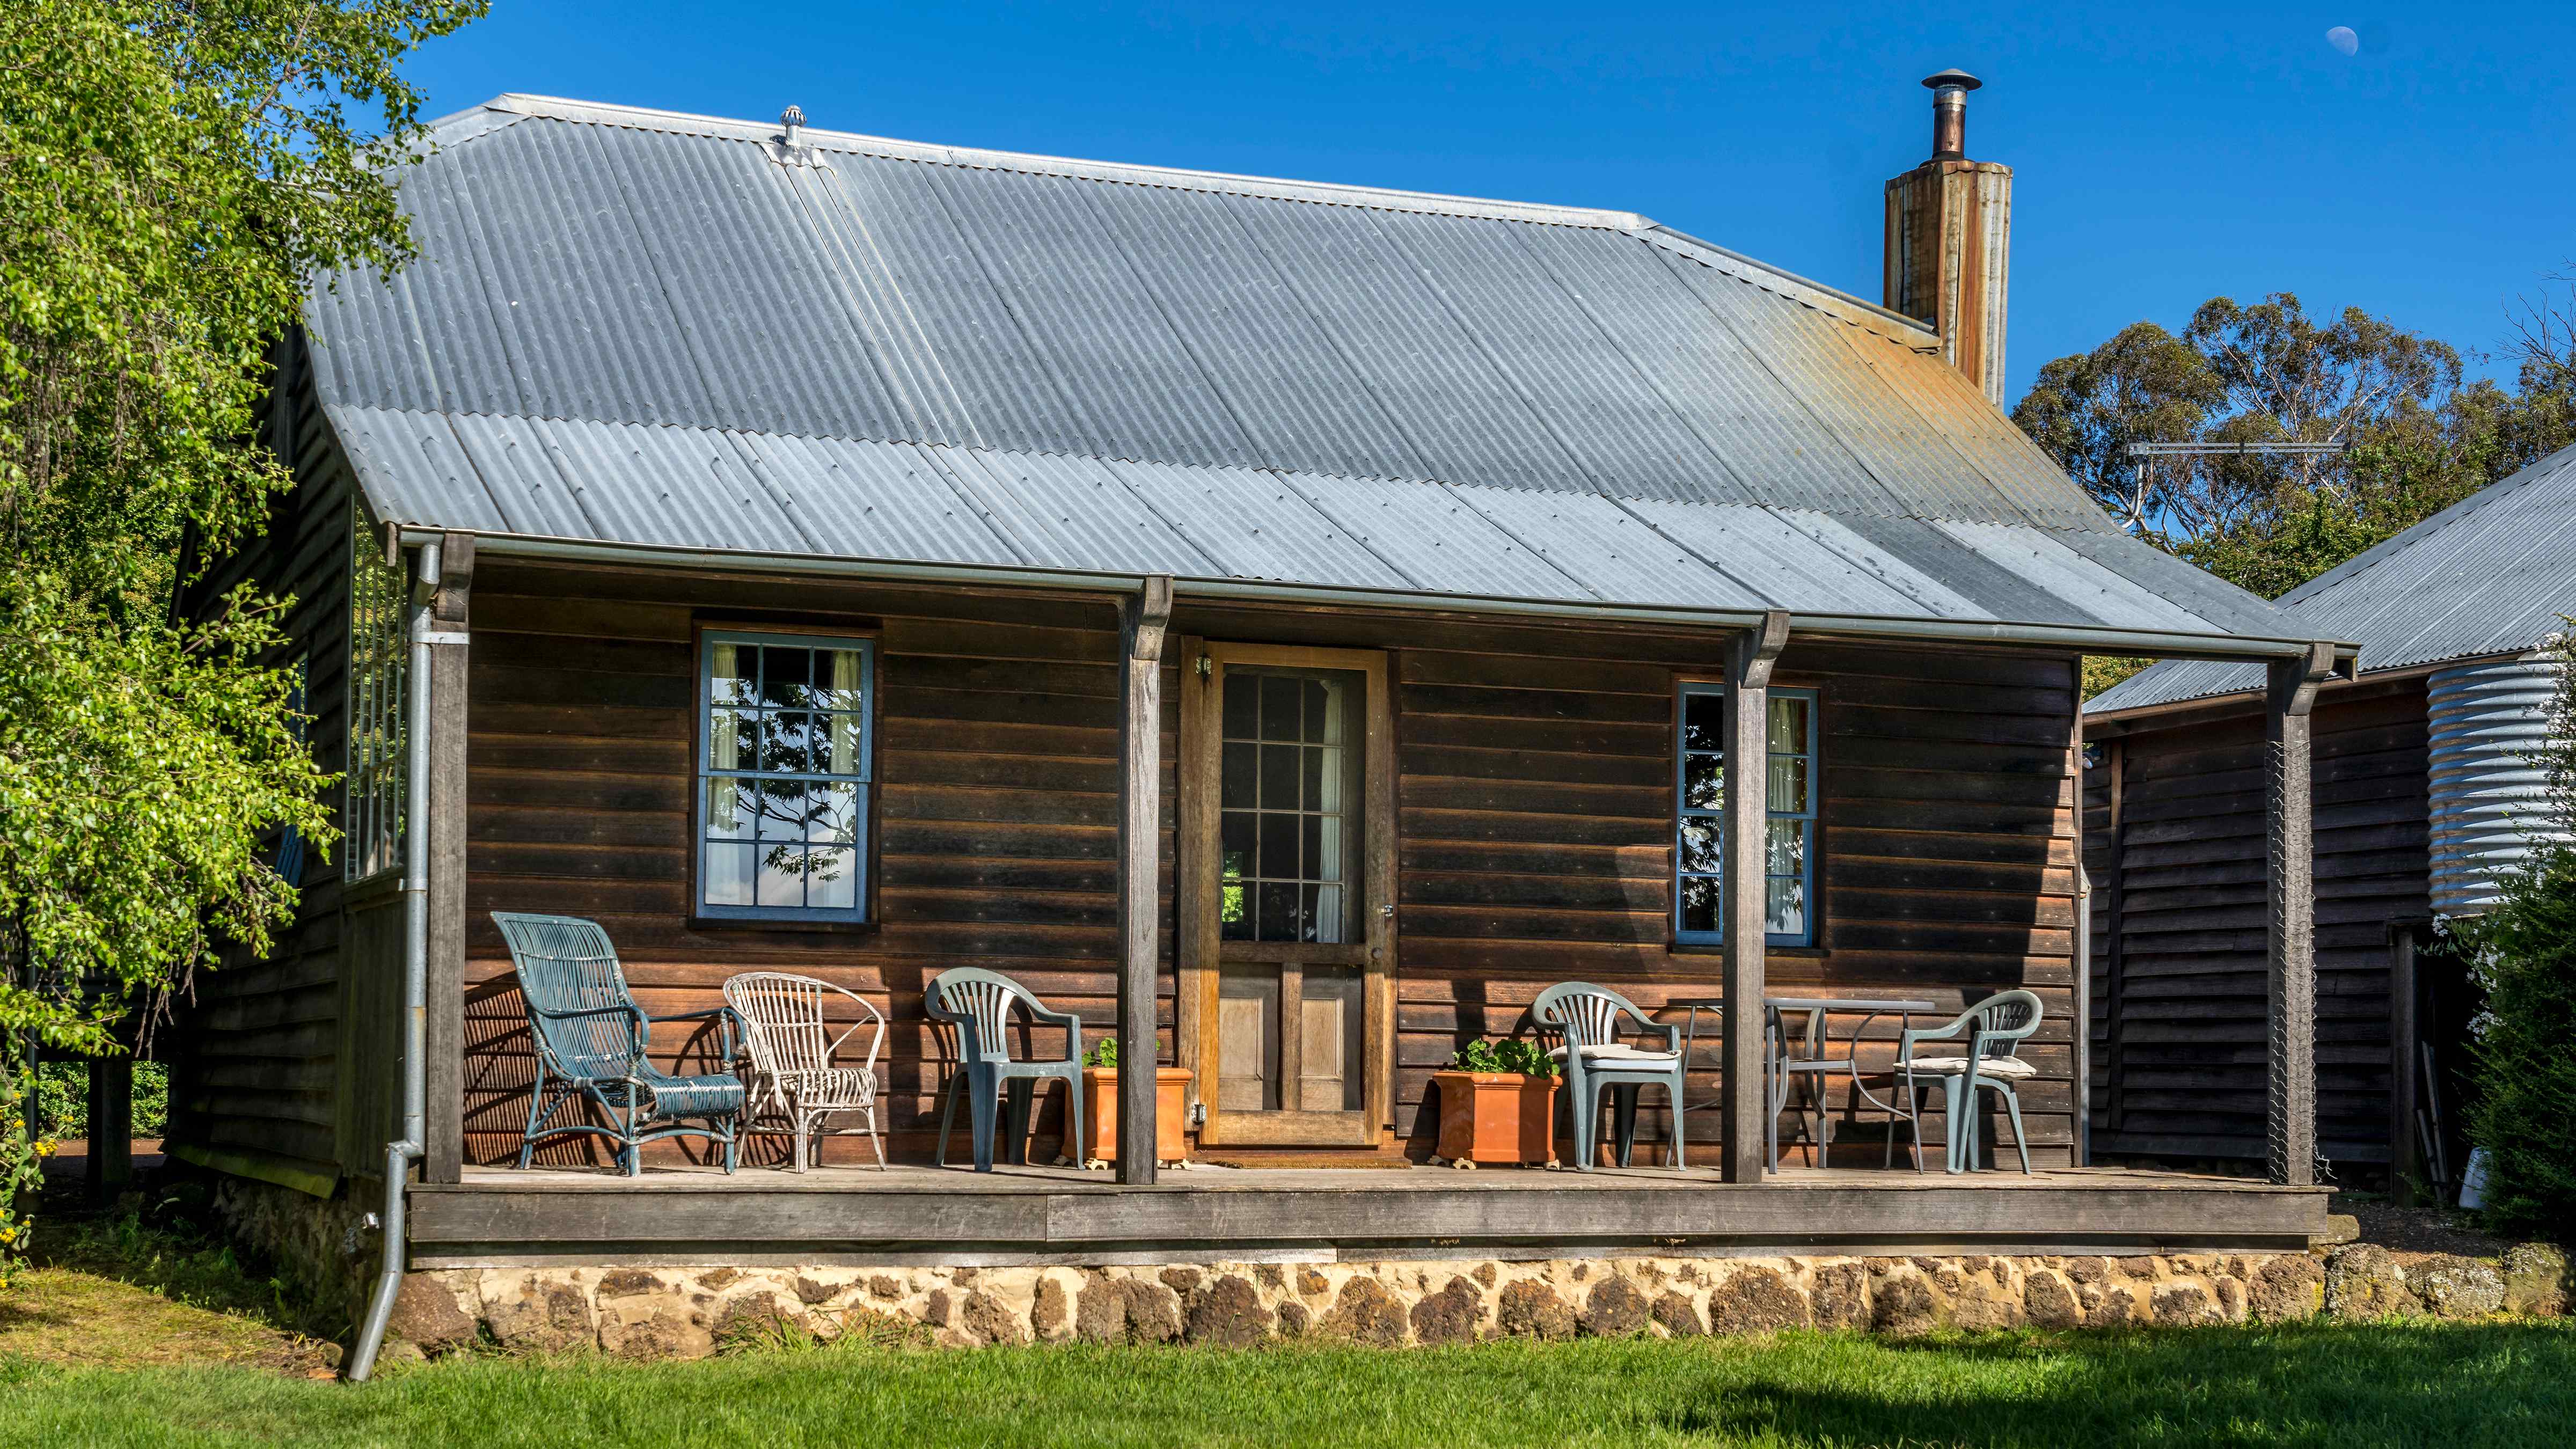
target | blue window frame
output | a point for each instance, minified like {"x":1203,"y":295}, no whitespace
{"x":785,"y":769}
{"x":1699,"y":846}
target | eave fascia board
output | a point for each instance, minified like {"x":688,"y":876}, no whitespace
{"x":2159,"y":643}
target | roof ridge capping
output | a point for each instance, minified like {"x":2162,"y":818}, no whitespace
{"x":467,"y":124}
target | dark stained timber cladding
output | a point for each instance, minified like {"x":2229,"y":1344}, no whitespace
{"x":995,"y":822}
{"x":257,"y":1048}
{"x":1536,"y":820}
{"x":2190,"y":1016}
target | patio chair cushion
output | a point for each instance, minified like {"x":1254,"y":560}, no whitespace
{"x":1619,"y":1055}
{"x":1956,"y":1066}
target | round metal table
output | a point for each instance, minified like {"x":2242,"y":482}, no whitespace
{"x":1815,"y":1062}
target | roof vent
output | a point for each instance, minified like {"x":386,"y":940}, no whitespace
{"x":1950,"y":113}
{"x":791,"y":121}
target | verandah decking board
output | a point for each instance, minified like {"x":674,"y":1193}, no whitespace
{"x":1056,"y":1215}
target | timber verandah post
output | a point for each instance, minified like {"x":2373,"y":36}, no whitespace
{"x":443,"y":816}
{"x":1143,"y":620}
{"x":1748,"y":710}
{"x":2289,"y":936}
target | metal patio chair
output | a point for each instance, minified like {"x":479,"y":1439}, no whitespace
{"x":979,"y":1004}
{"x":593,"y":1042}
{"x":791,"y":1046}
{"x":1995,"y":1028}
{"x":1585,"y":1019}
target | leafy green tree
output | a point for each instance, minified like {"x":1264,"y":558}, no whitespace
{"x":2418,"y":437}
{"x":171,"y":173}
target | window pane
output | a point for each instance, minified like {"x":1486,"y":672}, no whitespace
{"x":1704,"y":782}
{"x":1788,"y":724}
{"x":1310,"y":770}
{"x":836,"y":679}
{"x":1316,"y":728}
{"x":1330,"y":913}
{"x":841,"y":746}
{"x":1278,"y":848}
{"x":1239,"y":830}
{"x":1242,"y":706}
{"x":1282,"y":709}
{"x":832,"y":879}
{"x":782,"y":876}
{"x":1234,"y":913}
{"x":732,"y":805}
{"x":1279,"y":777}
{"x":728,"y":874}
{"x":1278,"y":920}
{"x":1788,"y":788}
{"x":1700,"y":847}
{"x":1240,"y":790}
{"x":786,"y":676}
{"x":1787,"y":907}
{"x":1704,"y":721}
{"x":733,"y":739}
{"x":1785,"y":848}
{"x":733,"y":670}
{"x":785,"y":810}
{"x":832,"y":816}
{"x":1699,"y":912}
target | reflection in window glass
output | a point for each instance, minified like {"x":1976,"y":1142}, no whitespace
{"x":786,"y":780}
{"x":1285,"y":795}
{"x":1699,"y":857}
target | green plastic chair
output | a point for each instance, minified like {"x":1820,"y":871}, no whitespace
{"x":1995,"y":1028}
{"x":979,"y":1004}
{"x":1586,"y":1019}
{"x":593,"y":1042}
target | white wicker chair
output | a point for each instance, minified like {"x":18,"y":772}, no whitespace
{"x":791,"y":1047}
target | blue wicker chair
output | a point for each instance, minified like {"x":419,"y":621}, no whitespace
{"x":593,"y":1041}
{"x":1585,"y":1018}
{"x":979,"y":1004}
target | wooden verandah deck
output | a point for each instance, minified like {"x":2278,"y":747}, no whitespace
{"x":1022,"y":1215}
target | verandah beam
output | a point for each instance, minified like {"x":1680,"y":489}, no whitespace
{"x":1143,"y":619}
{"x":1748,"y":710}
{"x":2289,"y":936}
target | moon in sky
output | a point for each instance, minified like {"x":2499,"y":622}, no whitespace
{"x":2342,"y":39}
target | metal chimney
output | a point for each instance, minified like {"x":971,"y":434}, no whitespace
{"x":1950,"y":113}
{"x":1949,"y":233}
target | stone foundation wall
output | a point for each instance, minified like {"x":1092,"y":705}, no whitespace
{"x":685,"y":1312}
{"x":321,"y":1247}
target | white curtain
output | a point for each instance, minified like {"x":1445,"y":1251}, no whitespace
{"x":1331,"y":919}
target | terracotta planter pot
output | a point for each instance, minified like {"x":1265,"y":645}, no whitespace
{"x":1100,"y":1113}
{"x":1497,"y":1117}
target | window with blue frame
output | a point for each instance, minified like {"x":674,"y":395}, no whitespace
{"x":1699,"y":851}
{"x":784,"y":779}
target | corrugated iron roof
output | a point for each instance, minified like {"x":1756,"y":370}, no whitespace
{"x":638,"y":328}
{"x":2492,"y":574}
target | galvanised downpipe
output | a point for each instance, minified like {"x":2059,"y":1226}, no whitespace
{"x":401,"y":1153}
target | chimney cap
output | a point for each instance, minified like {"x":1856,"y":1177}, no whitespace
{"x":1954,"y":76}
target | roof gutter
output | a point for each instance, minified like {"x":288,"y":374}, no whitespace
{"x":2162,"y":644}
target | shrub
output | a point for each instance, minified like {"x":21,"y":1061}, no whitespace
{"x":1525,"y":1057}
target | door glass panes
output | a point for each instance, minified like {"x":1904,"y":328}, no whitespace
{"x":1287,"y":795}
{"x":785,"y":780}
{"x":1789,"y":730}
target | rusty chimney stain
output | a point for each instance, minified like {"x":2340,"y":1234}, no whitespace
{"x":1950,"y":113}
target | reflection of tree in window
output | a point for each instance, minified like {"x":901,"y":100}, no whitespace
{"x":1286,"y":782}
{"x":787,"y":774}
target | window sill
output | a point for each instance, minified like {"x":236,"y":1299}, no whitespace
{"x":800,"y":928}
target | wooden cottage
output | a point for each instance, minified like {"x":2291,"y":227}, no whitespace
{"x":2425,"y":791}
{"x":1288,"y":625}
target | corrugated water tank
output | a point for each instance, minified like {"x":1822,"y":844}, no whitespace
{"x":2487,"y":787}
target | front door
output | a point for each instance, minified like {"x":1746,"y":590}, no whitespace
{"x":1287,"y":911}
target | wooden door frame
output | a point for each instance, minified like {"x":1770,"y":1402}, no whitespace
{"x":1201,"y":759}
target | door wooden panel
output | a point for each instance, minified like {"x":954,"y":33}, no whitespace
{"x":1287,"y":890}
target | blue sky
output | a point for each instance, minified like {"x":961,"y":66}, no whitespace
{"x":2164,"y":153}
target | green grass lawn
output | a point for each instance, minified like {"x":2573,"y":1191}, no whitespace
{"x":2486,"y":1385}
